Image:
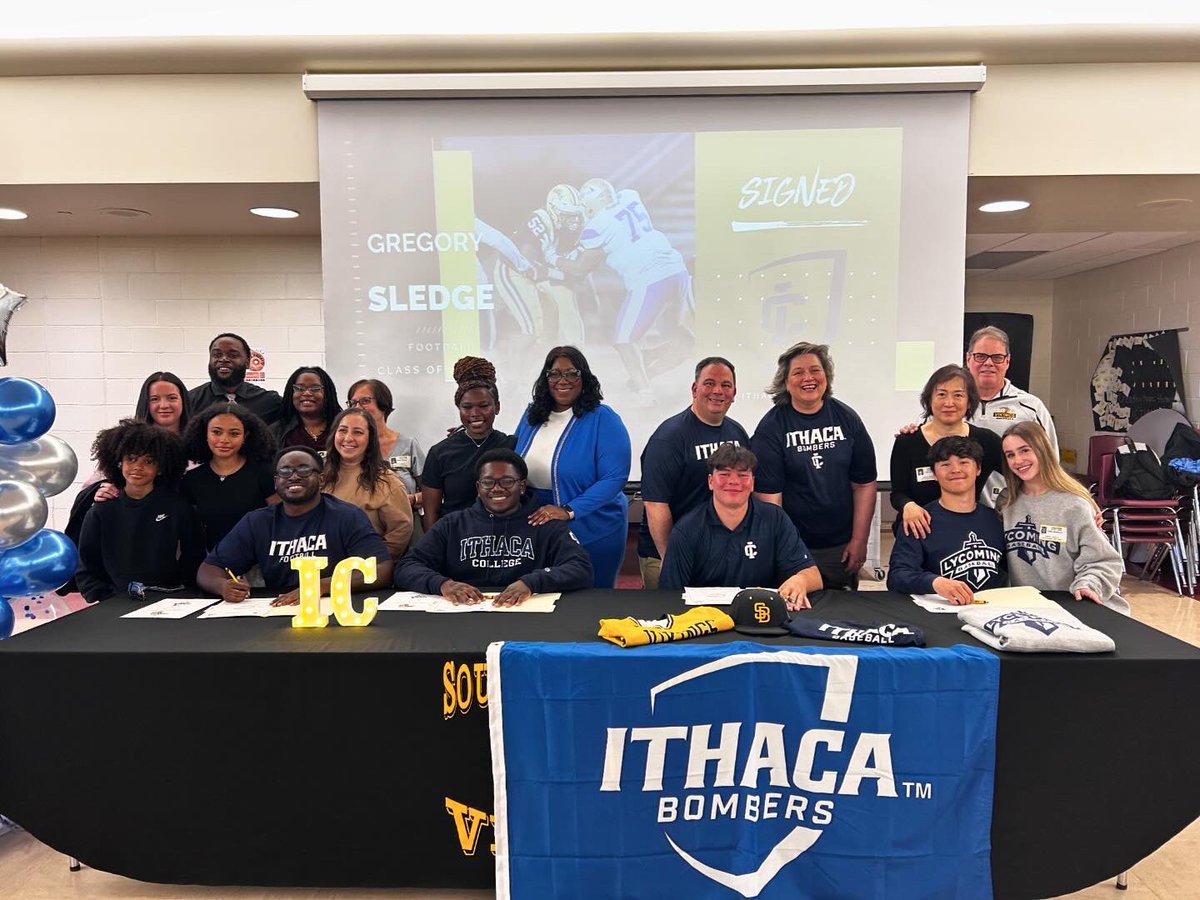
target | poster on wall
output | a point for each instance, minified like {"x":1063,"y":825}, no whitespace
{"x":1137,"y":373}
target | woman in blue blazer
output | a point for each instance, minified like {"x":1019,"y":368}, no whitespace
{"x":577,"y":450}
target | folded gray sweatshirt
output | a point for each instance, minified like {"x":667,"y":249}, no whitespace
{"x":1053,"y":544}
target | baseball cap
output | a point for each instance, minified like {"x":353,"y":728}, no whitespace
{"x":759,"y":611}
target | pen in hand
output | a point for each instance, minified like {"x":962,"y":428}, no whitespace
{"x":235,"y":590}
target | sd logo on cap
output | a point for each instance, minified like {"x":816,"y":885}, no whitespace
{"x":759,"y":611}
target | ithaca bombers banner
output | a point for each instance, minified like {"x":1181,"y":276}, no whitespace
{"x":742,"y":770}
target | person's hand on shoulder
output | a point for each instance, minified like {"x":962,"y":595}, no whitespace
{"x":916,"y":520}
{"x":107,"y":491}
{"x":515,"y":593}
{"x":907,"y":429}
{"x":549,"y":513}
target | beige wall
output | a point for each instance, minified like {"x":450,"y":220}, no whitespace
{"x":1132,"y":118}
{"x":1160,"y":291}
{"x":1027,"y":120}
{"x":103,"y":313}
{"x":150,"y":129}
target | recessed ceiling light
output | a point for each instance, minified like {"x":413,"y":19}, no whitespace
{"x":124,"y":212}
{"x":1165,"y":203}
{"x":1004,"y":206}
{"x":13,"y":214}
{"x":274,"y":212}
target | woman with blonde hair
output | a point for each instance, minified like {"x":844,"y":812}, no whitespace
{"x":1050,"y":533}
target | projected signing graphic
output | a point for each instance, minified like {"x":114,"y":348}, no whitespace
{"x":448,"y":235}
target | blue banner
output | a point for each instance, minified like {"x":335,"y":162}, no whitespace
{"x":742,"y":770}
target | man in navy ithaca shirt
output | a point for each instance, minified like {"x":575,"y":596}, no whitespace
{"x":964,"y":550}
{"x":739,"y":541}
{"x":675,"y":461}
{"x":306,"y":523}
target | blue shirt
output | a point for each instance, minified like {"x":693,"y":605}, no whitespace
{"x":967,"y":547}
{"x":271,"y":539}
{"x":675,"y":466}
{"x":763,"y":551}
{"x":812,"y":460}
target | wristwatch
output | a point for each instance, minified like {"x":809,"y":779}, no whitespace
{"x":570,"y":512}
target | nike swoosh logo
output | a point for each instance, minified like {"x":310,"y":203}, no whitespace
{"x":160,"y":517}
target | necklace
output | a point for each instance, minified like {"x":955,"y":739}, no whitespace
{"x":314,"y":434}
{"x":477,"y":444}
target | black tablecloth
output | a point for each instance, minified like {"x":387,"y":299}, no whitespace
{"x":243,"y":751}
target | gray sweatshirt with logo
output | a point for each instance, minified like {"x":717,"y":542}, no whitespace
{"x":1053,"y":544}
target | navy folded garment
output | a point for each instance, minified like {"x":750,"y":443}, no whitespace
{"x":892,"y":634}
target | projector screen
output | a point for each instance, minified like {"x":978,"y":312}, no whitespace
{"x":650,"y":232}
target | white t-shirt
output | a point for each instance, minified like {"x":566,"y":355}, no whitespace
{"x":541,"y":452}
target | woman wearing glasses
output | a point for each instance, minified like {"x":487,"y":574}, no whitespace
{"x":578,"y":453}
{"x":309,"y":405}
{"x":448,"y":479}
{"x":356,"y":472}
{"x":403,"y":454}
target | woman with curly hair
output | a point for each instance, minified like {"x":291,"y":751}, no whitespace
{"x":310,"y":403}
{"x":578,"y":454}
{"x":147,"y":536}
{"x":448,"y":479}
{"x":235,"y":451}
{"x":356,"y":472}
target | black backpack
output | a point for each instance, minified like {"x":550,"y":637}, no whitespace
{"x":1140,"y":475}
{"x":1184,"y":444}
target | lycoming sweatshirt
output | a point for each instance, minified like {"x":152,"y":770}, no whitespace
{"x":491,"y":552}
{"x":1053,"y":544}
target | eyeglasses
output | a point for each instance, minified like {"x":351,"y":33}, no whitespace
{"x":507,"y":482}
{"x":307,"y":389}
{"x":996,"y":358}
{"x":289,"y":471}
{"x":362,"y":401}
{"x":563,"y":374}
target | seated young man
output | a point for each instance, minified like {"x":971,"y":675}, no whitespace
{"x":735,"y":540}
{"x":306,"y":523}
{"x":964,"y":550}
{"x":490,"y":546}
{"x":147,"y":536}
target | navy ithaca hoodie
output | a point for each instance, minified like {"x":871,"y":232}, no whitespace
{"x":490,"y":552}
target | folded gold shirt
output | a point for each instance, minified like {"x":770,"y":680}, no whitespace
{"x":631,"y":632}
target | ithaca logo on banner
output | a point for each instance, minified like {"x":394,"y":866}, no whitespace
{"x":738,"y":770}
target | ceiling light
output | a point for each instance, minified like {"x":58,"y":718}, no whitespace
{"x":1004,"y":206}
{"x":274,"y":212}
{"x":124,"y":212}
{"x":13,"y":214}
{"x":1165,"y":203}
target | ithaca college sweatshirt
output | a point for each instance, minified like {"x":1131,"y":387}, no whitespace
{"x":488,"y":551}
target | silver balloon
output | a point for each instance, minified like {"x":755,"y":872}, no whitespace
{"x":48,"y":463}
{"x":10,"y":302}
{"x":23,"y":513}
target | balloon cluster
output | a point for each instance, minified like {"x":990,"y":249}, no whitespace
{"x":34,"y":465}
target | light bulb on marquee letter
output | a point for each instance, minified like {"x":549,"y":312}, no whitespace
{"x":310,"y":568}
{"x":339,"y":590}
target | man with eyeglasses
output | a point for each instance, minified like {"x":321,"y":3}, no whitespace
{"x":675,"y":462}
{"x":1002,"y":404}
{"x":306,"y":523}
{"x":737,"y":540}
{"x":228,"y":357}
{"x":491,"y":549}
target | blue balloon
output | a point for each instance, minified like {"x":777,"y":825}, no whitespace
{"x":7,"y":619}
{"x":26,"y":410}
{"x":44,"y":562}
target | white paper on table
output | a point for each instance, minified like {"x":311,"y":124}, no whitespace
{"x":410,"y":601}
{"x":709,"y":596}
{"x":171,"y":608}
{"x":258,"y":608}
{"x":1010,"y":598}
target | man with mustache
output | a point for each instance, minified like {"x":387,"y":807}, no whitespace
{"x":228,"y":357}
